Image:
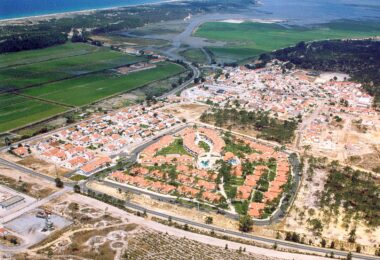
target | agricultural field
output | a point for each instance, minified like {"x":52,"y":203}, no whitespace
{"x":48,"y":70}
{"x":16,"y":111}
{"x":87,"y":89}
{"x":249,"y":39}
{"x":39,"y":55}
{"x":52,"y":80}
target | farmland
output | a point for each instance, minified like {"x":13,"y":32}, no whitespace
{"x":83,"y":90}
{"x":249,"y":39}
{"x":41,"y":83}
{"x":56,"y":52}
{"x":39,"y":72}
{"x":16,"y":111}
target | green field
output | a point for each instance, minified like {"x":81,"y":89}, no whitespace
{"x":56,"y":52}
{"x":52,"y":69}
{"x":17,"y":111}
{"x":250,"y":39}
{"x":195,"y":55}
{"x":69,"y":75}
{"x":87,"y":89}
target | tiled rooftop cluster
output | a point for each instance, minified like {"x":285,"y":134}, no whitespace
{"x":286,"y":94}
{"x":102,"y":137}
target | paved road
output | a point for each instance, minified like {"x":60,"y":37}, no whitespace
{"x":33,"y":205}
{"x":196,"y":74}
{"x":199,"y":225}
{"x":291,"y":245}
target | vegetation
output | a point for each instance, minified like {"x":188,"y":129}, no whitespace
{"x":30,"y":41}
{"x":16,"y":37}
{"x":87,"y":89}
{"x":204,"y":146}
{"x":194,"y":55}
{"x":252,"y":39}
{"x":355,"y":192}
{"x":174,"y":148}
{"x":25,"y":73}
{"x":269,"y":128}
{"x":358,"y":58}
{"x":16,"y":111}
{"x":245,"y":223}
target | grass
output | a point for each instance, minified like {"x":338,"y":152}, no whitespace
{"x":56,"y":52}
{"x":22,"y":76}
{"x":16,"y":111}
{"x":70,"y":74}
{"x":78,"y":177}
{"x":194,"y":55}
{"x":204,"y":146}
{"x":174,"y":148}
{"x":89,"y":88}
{"x":250,"y":39}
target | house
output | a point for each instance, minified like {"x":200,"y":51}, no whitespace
{"x":255,"y":209}
{"x":21,"y":151}
{"x":94,"y":165}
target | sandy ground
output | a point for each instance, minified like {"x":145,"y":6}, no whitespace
{"x":353,"y":145}
{"x":327,"y":76}
{"x":189,"y":111}
{"x":36,"y":164}
{"x":127,"y":218}
{"x":306,"y":207}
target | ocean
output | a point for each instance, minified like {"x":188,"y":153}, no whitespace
{"x":22,"y":8}
{"x":294,"y":11}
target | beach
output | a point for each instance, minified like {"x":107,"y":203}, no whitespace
{"x":58,"y":15}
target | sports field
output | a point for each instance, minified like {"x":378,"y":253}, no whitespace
{"x":87,"y":89}
{"x":38,"y":72}
{"x":249,"y":39}
{"x":17,"y":111}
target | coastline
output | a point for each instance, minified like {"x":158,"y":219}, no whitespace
{"x":83,"y":12}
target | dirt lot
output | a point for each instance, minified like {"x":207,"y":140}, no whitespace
{"x":190,"y":112}
{"x":354,"y":141}
{"x":101,"y":231}
{"x":33,"y":186}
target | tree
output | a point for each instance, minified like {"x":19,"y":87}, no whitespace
{"x":209,"y":220}
{"x":352,"y":236}
{"x":58,"y":183}
{"x":245,"y":223}
{"x":77,"y":188}
{"x":316,"y":226}
{"x":323,"y":242}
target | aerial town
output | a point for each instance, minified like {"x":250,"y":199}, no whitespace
{"x":190,"y":130}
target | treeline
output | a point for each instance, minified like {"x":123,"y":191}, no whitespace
{"x":270,"y":128}
{"x":358,"y":58}
{"x":30,"y":41}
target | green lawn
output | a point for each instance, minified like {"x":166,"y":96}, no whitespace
{"x":87,"y":89}
{"x":16,"y":111}
{"x":50,"y":70}
{"x":175,"y":148}
{"x":249,"y":39}
{"x":204,"y":146}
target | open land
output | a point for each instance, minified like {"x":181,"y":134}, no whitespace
{"x":248,"y":39}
